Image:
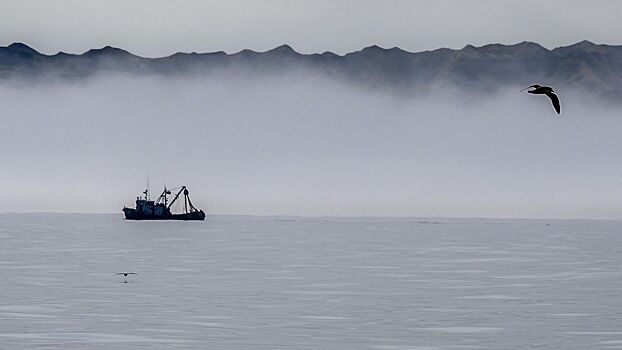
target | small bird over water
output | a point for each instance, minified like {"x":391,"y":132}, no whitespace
{"x":545,"y":90}
{"x":125,"y":274}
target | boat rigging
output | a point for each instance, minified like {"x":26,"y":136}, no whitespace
{"x":160,"y":209}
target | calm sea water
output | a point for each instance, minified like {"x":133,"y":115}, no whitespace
{"x":235,"y":282}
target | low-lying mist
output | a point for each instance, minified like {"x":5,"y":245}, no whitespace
{"x":299,"y":145}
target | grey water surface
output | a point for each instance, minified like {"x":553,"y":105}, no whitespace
{"x":241,"y":282}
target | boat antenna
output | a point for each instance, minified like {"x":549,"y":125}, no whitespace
{"x":147,"y":194}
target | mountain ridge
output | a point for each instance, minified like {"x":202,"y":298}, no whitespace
{"x":589,"y":67}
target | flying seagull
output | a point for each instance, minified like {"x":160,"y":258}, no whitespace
{"x":545,"y":90}
{"x":125,"y":274}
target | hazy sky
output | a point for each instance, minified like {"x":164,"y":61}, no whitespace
{"x":159,"y":28}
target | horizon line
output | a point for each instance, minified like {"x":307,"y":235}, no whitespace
{"x":491,"y":218}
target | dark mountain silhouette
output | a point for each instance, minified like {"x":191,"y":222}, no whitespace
{"x":592,"y":68}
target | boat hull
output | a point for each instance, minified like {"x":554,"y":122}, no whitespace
{"x":132,"y":214}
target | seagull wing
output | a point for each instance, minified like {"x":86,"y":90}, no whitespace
{"x":555,"y":101}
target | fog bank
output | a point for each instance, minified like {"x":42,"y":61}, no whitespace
{"x":297,"y":145}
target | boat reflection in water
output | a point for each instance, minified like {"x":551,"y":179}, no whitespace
{"x":160,"y":209}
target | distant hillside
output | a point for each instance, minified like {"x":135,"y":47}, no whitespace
{"x":589,"y":67}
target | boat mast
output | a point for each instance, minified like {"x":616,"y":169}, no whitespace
{"x":176,"y":196}
{"x":147,"y":191}
{"x":162,"y":198}
{"x":186,"y":201}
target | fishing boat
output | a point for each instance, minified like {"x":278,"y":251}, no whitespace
{"x":160,"y":209}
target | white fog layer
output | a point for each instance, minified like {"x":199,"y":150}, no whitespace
{"x":298,"y":145}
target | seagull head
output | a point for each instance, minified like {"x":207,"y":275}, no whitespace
{"x":535,"y":86}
